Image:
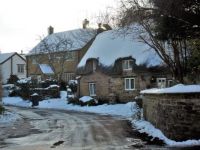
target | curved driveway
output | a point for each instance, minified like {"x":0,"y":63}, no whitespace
{"x":42,"y":129}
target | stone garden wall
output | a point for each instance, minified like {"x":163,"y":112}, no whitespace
{"x":176,"y":115}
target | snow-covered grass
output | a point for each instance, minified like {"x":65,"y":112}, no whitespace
{"x":128,"y":111}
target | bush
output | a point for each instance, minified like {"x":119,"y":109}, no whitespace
{"x":13,"y":79}
{"x":2,"y":109}
{"x":73,"y":85}
{"x":63,"y":86}
{"x":48,"y":82}
{"x":75,"y":101}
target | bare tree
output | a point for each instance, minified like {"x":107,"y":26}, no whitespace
{"x":56,"y":49}
{"x":0,"y":87}
{"x":173,"y":51}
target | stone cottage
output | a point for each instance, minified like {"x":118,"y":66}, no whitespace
{"x":117,"y":67}
{"x":58,"y":54}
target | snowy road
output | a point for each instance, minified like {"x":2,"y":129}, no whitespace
{"x":41,"y":129}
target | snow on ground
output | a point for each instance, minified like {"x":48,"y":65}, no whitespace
{"x":16,"y":101}
{"x":146,"y":127}
{"x":128,"y":111}
{"x":179,"y":88}
{"x":8,"y":117}
{"x":124,"y":110}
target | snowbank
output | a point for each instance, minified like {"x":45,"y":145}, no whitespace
{"x":124,"y":110}
{"x":179,"y":88}
{"x":147,"y":127}
{"x":16,"y":101}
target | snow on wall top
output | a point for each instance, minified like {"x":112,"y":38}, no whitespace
{"x":62,"y":41}
{"x":109,"y":46}
{"x":4,"y":56}
{"x":179,"y":88}
{"x":46,"y":69}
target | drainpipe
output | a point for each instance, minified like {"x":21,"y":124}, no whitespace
{"x":11,"y":66}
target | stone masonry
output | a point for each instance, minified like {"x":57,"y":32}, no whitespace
{"x":176,"y":115}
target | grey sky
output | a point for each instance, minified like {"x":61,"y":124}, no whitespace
{"x":23,"y":21}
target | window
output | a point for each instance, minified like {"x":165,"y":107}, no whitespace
{"x":129,"y":83}
{"x":20,"y":68}
{"x":161,"y":82}
{"x":39,"y":78}
{"x":70,"y":56}
{"x":170,"y":83}
{"x":127,"y":64}
{"x":92,"y":89}
{"x":34,"y":61}
{"x":69,"y":76}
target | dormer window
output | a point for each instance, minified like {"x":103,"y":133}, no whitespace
{"x":127,"y":64}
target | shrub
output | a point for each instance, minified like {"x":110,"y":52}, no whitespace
{"x":75,"y":101}
{"x":13,"y":79}
{"x":2,"y":109}
{"x":63,"y":86}
{"x":73,"y":85}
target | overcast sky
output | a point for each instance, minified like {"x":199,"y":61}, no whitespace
{"x":23,"y":21}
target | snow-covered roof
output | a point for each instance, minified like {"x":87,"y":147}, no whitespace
{"x":4,"y":56}
{"x":62,"y":41}
{"x":179,"y":88}
{"x":46,"y":69}
{"x":110,"y":45}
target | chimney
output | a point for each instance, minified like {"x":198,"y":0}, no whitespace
{"x":85,"y":23}
{"x":50,"y":30}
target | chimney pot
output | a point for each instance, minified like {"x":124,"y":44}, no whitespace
{"x":50,"y":30}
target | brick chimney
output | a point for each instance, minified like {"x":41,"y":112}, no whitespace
{"x":85,"y":23}
{"x":50,"y":30}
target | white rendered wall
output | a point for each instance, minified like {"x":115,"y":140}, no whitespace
{"x":6,"y":68}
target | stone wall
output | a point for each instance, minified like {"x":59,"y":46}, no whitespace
{"x":107,"y":87}
{"x":176,"y":115}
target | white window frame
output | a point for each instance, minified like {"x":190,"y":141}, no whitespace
{"x":161,"y":84}
{"x":127,"y":64}
{"x":69,"y":76}
{"x":92,"y":89}
{"x":20,"y":68}
{"x":128,"y":87}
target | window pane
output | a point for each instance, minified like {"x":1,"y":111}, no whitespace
{"x":127,"y":83}
{"x":92,"y":88}
{"x":132,"y":83}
